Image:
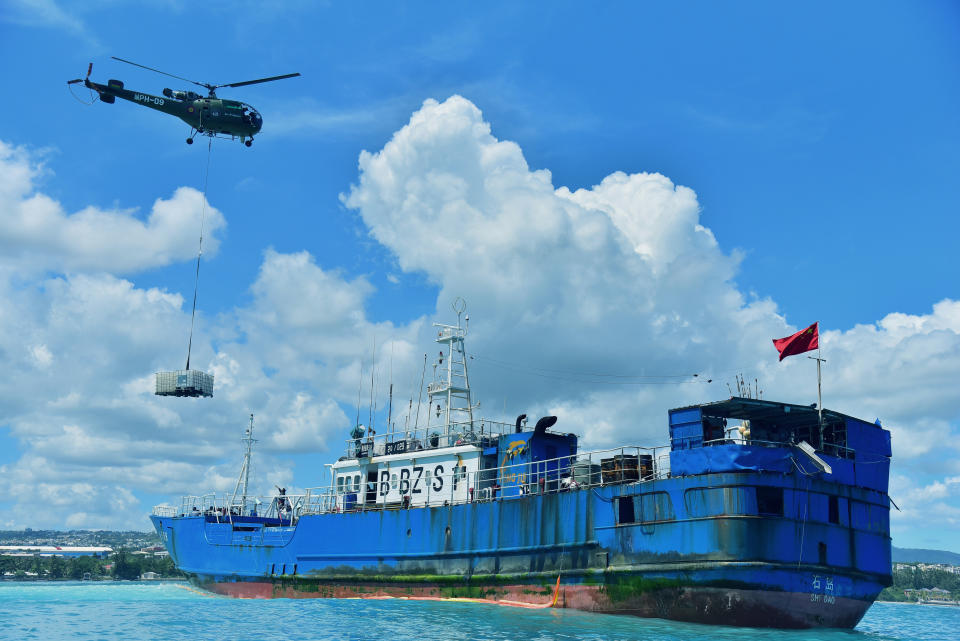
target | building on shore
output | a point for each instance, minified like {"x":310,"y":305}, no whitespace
{"x":55,"y":550}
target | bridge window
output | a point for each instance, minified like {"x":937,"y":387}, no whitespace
{"x":625,"y":510}
{"x":834,"y":510}
{"x":656,"y":506}
{"x":770,"y":501}
{"x":716,"y":501}
{"x":739,"y":500}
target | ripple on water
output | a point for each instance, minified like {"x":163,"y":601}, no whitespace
{"x":131,"y":611}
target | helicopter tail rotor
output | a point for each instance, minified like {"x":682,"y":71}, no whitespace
{"x":94,"y":95}
{"x":76,"y":80}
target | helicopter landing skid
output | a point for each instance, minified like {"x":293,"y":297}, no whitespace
{"x":213,"y":134}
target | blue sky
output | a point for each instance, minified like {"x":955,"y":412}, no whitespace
{"x":817,"y":144}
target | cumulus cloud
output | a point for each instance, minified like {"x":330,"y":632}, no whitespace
{"x":85,"y":345}
{"x":622,"y":278}
{"x":37,"y":234}
{"x":596,"y":304}
{"x":619,"y":278}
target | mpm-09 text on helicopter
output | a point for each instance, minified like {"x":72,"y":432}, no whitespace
{"x":208,"y":115}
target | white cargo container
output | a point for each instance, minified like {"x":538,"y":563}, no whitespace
{"x":184,"y":382}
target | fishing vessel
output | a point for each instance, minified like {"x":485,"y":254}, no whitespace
{"x":756,"y":513}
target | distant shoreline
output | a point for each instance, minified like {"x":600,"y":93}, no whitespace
{"x":939,"y":605}
{"x":110,"y":579}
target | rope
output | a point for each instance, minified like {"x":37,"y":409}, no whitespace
{"x":196,"y":282}
{"x":93,"y":96}
{"x":803,"y":523}
{"x":800,"y":469}
{"x":603,"y":498}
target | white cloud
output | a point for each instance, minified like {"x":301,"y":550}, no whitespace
{"x":618,"y":279}
{"x":37,"y":234}
{"x":307,"y":425}
{"x":621,"y":278}
{"x":902,"y":369}
{"x":934,"y":504}
{"x":86,"y":346}
{"x":41,"y":356}
{"x":47,"y":13}
{"x":41,"y":12}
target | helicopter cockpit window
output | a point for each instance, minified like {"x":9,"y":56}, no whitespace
{"x":250,"y":114}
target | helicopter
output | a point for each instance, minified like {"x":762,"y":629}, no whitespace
{"x":206,"y":115}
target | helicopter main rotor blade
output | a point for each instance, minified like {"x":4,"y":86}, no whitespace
{"x":200,"y":84}
{"x":254,"y":82}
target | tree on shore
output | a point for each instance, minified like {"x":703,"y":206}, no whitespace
{"x":126,"y":566}
{"x":917,"y":578}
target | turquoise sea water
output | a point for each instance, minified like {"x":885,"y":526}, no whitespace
{"x":134,"y":611}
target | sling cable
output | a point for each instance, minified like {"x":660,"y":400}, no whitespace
{"x":190,"y":382}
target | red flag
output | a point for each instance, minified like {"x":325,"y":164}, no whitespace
{"x":803,"y":341}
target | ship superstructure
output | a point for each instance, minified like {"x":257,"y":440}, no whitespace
{"x":757,"y":513}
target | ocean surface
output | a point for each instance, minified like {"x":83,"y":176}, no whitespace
{"x":168,"y":610}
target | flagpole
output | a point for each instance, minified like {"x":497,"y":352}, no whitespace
{"x":819,"y":398}
{"x":801,"y":342}
{"x":819,"y":392}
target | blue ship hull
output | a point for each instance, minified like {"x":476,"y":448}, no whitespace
{"x":744,"y":536}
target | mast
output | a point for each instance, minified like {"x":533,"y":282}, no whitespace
{"x":373,"y":369}
{"x":244,"y":479}
{"x":423,"y":373}
{"x":455,"y":390}
{"x":390,"y":408}
{"x":249,"y":441}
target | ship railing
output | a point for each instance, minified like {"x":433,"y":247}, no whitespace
{"x":199,"y":504}
{"x":164,"y":510}
{"x":481,"y":433}
{"x":584,"y":470}
{"x":278,"y":508}
{"x":832,"y":449}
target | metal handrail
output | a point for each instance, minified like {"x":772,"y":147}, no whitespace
{"x":505,"y":482}
{"x":838,"y":450}
{"x":427,"y":438}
